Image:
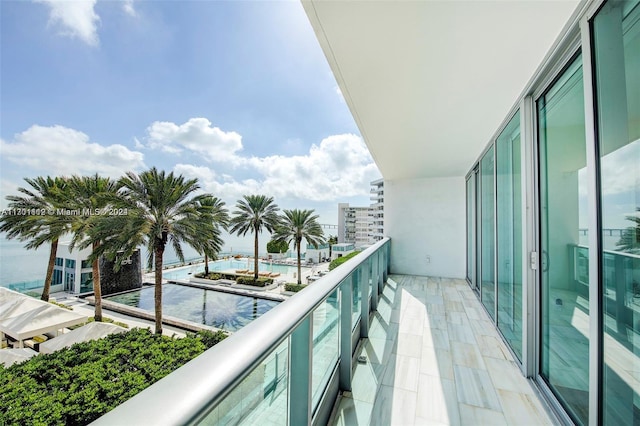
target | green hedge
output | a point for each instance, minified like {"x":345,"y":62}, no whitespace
{"x":340,"y":260}
{"x":79,"y":384}
{"x":262,"y":281}
{"x":294,"y":287}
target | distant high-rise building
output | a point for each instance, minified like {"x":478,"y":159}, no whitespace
{"x":376,"y":211}
{"x":363,"y":226}
{"x":354,"y":224}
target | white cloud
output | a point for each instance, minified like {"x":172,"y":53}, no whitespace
{"x":339,"y":167}
{"x":339,"y":93}
{"x":195,"y":135}
{"x":63,"y":151}
{"x":75,"y":19}
{"x":127,"y":6}
{"x":620,"y":169}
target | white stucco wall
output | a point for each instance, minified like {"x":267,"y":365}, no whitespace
{"x":426,"y":217}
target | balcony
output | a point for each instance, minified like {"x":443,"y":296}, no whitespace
{"x":431,"y":355}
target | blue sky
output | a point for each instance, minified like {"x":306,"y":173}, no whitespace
{"x":237,"y":94}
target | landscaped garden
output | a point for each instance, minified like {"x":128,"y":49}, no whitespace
{"x":79,"y":384}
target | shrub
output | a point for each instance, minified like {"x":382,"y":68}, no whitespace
{"x":210,"y":338}
{"x":261,"y":282}
{"x":109,"y":320}
{"x":277,"y":246}
{"x":60,"y":305}
{"x":77,"y":385}
{"x":294,"y":287}
{"x":340,"y":260}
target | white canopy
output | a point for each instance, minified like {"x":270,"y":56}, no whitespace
{"x":9,"y":357}
{"x":43,"y":319}
{"x":13,"y":307}
{"x":91,"y":331}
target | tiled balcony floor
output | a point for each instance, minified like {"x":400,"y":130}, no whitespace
{"x":434,"y":358}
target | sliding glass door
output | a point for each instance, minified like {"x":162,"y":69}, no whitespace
{"x":563,"y":214}
{"x":487,"y":231}
{"x":509,"y":234}
{"x":616,"y":30}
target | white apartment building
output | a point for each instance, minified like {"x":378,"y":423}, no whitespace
{"x":376,"y":211}
{"x":354,"y":224}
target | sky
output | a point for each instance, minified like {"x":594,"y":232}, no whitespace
{"x":237,"y":94}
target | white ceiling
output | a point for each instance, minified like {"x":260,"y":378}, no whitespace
{"x":429,"y":82}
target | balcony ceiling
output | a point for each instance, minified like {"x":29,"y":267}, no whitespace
{"x":429,"y":82}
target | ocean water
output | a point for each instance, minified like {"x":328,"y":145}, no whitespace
{"x":18,"y":265}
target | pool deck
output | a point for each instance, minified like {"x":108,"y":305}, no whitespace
{"x":282,"y":279}
{"x":82,"y":306}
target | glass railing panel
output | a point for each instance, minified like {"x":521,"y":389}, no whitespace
{"x":356,"y":296}
{"x":260,"y":398}
{"x":326,"y":345}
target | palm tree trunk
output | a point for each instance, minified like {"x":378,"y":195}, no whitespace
{"x":159,"y":252}
{"x":299,"y":269}
{"x":97,"y":289}
{"x":255,"y":256}
{"x":206,"y":266}
{"x":52,"y":261}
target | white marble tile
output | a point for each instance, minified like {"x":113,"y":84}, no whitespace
{"x":437,"y":402}
{"x":353,"y":413}
{"x":467,"y":355}
{"x":394,"y":406}
{"x":474,"y":387}
{"x":436,"y":362}
{"x":365,"y":382}
{"x":402,"y":372}
{"x":523,"y":409}
{"x":377,"y":350}
{"x":435,"y":358}
{"x":476,"y":416}
{"x":506,"y":375}
{"x":409,"y":345}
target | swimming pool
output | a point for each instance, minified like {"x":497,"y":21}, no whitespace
{"x":222,"y":265}
{"x":218,"y":309}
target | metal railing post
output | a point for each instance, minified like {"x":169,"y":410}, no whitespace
{"x":300,"y":359}
{"x":365,"y":307}
{"x":385,"y":261}
{"x":380,"y":271}
{"x":346,"y":297}
{"x":375,"y":294}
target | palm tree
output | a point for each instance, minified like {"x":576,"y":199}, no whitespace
{"x":91,"y":194}
{"x":42,"y":222}
{"x":296,"y":225}
{"x":159,"y":212}
{"x":255,"y":213}
{"x":630,"y":239}
{"x":220,"y":216}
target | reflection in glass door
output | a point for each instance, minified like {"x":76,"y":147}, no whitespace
{"x":487,"y":232}
{"x":509,"y":234}
{"x":471,"y":230}
{"x":617,"y":67}
{"x":563,"y":213}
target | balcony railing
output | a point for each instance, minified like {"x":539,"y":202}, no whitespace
{"x":286,"y":367}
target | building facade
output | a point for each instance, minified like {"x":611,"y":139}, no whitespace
{"x":354,"y":225}
{"x":376,"y":213}
{"x":73,"y":273}
{"x":341,"y":249}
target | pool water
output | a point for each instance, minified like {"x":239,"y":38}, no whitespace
{"x":218,"y":309}
{"x":223,"y":265}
